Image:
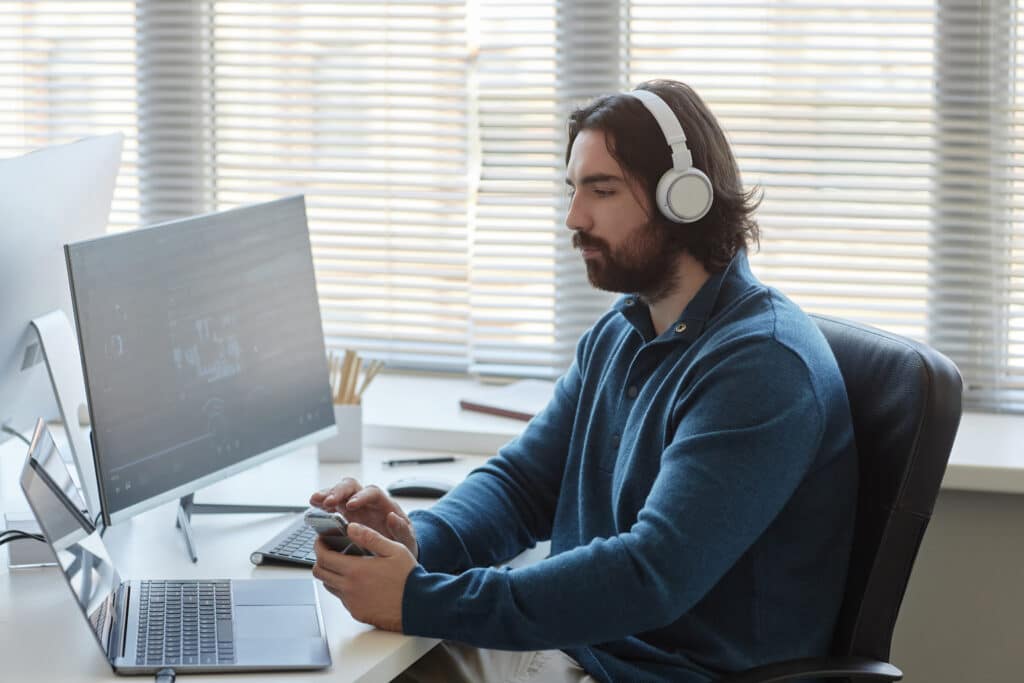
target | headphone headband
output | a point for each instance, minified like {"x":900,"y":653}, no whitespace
{"x":670,"y":127}
{"x":684,"y":194}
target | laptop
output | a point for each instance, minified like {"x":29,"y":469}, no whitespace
{"x":191,"y":626}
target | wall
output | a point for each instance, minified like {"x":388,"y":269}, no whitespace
{"x":962,"y":618}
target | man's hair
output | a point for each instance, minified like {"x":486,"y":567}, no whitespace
{"x":636,"y":142}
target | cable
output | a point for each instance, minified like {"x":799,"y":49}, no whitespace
{"x":165,"y":675}
{"x":21,"y":534}
{"x":14,"y":432}
{"x":8,"y":535}
{"x":16,"y":535}
{"x":96,"y":522}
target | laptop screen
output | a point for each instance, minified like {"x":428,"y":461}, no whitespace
{"x":58,"y":505}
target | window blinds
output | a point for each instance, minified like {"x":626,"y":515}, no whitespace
{"x":886,"y":137}
{"x":66,"y":72}
{"x":830,"y":111}
{"x":428,"y":138}
{"x":362,"y":107}
{"x":514,"y":222}
{"x":530,"y":296}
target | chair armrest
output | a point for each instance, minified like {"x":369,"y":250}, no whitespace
{"x":858,"y":668}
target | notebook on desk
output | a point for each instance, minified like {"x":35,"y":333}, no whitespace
{"x":519,"y":400}
{"x":190,"y":625}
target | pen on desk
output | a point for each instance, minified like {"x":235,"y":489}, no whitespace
{"x":416,"y":461}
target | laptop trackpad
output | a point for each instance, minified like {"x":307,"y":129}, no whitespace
{"x":273,"y":592}
{"x":277,"y":621}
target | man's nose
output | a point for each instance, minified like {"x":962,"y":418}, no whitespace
{"x":576,"y":218}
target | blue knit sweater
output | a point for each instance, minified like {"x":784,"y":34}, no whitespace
{"x":698,"y":489}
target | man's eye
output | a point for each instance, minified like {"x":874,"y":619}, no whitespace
{"x":603,"y":193}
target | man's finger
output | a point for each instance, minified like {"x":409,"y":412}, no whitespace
{"x":336,"y":593}
{"x":373,"y":541}
{"x":368,"y":496}
{"x":337,"y":495}
{"x":327,"y":557}
{"x":325,"y":576}
{"x":333,"y":561}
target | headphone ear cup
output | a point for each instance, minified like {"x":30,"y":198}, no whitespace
{"x":684,"y":196}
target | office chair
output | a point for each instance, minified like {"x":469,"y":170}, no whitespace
{"x":905,"y":401}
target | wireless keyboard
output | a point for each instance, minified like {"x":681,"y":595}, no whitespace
{"x":294,"y":545}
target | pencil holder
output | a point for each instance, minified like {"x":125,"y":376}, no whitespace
{"x":347,"y":446}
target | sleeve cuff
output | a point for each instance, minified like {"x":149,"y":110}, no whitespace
{"x":440,"y":549}
{"x":434,"y":605}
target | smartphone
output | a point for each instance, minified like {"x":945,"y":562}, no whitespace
{"x":333,"y":528}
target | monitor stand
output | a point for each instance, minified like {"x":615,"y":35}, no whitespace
{"x":187,"y":507}
{"x":59,"y":347}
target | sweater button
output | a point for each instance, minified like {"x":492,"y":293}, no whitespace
{"x":681,"y":327}
{"x":632,"y":391}
{"x":615,"y":440}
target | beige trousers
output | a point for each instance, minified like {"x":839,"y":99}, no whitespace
{"x":452,"y":662}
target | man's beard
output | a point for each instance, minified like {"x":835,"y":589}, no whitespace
{"x":645,"y":264}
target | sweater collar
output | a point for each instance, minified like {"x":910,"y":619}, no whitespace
{"x":719,"y":289}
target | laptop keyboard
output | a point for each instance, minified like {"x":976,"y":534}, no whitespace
{"x":293,"y":545}
{"x":185,"y":622}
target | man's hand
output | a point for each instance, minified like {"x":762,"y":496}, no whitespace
{"x":370,"y":587}
{"x":369,"y":506}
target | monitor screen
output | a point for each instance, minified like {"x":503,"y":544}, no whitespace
{"x":202,"y":349}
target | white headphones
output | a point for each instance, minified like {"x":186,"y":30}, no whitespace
{"x":684,"y":193}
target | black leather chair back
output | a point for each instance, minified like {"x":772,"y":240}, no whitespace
{"x":905,"y":398}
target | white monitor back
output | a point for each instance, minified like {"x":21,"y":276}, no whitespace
{"x":50,"y":197}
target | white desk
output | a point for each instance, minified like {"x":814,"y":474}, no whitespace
{"x":44,"y":637}
{"x":965,"y":589}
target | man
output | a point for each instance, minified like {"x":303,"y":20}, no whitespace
{"x":695,"y":470}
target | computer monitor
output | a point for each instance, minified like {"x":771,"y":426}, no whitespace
{"x":47,"y":198}
{"x":202,"y":349}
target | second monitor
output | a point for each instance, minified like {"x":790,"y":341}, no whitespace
{"x":202,"y":349}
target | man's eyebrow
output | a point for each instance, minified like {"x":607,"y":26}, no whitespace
{"x":596,"y":178}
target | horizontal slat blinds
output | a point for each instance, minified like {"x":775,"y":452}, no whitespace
{"x":67,"y":72}
{"x":976,"y":302}
{"x":830,"y":110}
{"x":428,"y":138}
{"x":886,"y":136}
{"x":515,"y":222}
{"x":363,"y":107}
{"x":530,"y":298}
